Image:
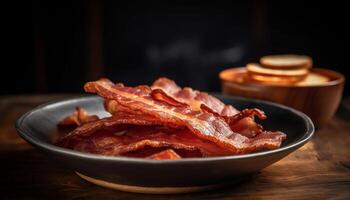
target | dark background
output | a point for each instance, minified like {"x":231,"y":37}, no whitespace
{"x":56,"y":46}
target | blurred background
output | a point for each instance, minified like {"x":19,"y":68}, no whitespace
{"x":56,"y":46}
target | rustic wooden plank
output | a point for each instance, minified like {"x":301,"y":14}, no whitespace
{"x":319,"y":170}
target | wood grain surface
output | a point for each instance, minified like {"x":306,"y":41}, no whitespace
{"x":319,"y":170}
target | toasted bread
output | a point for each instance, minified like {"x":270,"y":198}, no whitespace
{"x":287,"y":61}
{"x":256,"y":69}
{"x":314,"y":79}
{"x":278,"y":80}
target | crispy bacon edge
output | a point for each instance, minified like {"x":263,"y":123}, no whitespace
{"x":78,"y":117}
{"x":168,"y":154}
{"x":194,"y":98}
{"x":136,"y":99}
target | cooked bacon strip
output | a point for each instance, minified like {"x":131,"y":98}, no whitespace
{"x":192,"y":97}
{"x":247,"y":127}
{"x":168,"y":154}
{"x":204,"y":125}
{"x":269,"y":138}
{"x":112,"y":106}
{"x":118,"y":120}
{"x":246,"y":113}
{"x":123,"y":140}
{"x":242,"y":122}
{"x":160,"y":95}
{"x":78,"y":117}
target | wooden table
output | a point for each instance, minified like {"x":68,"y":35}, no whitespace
{"x":319,"y":170}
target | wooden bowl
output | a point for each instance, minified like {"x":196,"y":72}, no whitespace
{"x":319,"y":101}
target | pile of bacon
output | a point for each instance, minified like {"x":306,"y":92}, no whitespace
{"x":165,"y":121}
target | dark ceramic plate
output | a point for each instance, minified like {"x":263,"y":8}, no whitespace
{"x":168,"y":176}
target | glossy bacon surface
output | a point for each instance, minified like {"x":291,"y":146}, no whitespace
{"x":168,"y":154}
{"x":241,"y":122}
{"x":192,"y":97}
{"x":122,"y":140}
{"x":165,"y":121}
{"x":205,"y":125}
{"x":78,"y":117}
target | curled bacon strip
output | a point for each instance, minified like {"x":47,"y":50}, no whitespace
{"x":192,"y":97}
{"x":242,"y":122}
{"x":165,"y":122}
{"x":78,"y":117}
{"x":118,"y":120}
{"x":204,"y":125}
{"x":160,"y":95}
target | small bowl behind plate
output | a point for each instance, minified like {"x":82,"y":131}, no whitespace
{"x":166,"y":176}
{"x":318,"y":101}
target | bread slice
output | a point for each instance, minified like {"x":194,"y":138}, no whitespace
{"x":275,"y":80}
{"x":256,"y":69}
{"x":314,"y":79}
{"x":287,"y":61}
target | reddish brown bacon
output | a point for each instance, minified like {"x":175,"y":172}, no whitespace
{"x":242,"y":122}
{"x":169,"y":122}
{"x":126,"y":140}
{"x":192,"y":97}
{"x":168,"y":154}
{"x":78,"y":117}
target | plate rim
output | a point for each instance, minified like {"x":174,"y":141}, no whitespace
{"x":21,"y":130}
